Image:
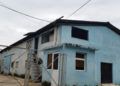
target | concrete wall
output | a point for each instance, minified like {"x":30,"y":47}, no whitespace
{"x":106,"y":41}
{"x":51,"y":43}
{"x":103,"y":39}
{"x":80,"y":77}
{"x":15,"y":52}
{"x":17,"y":55}
{"x":56,"y":41}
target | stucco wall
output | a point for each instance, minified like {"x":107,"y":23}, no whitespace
{"x":103,"y":39}
{"x":106,"y":41}
{"x":80,"y":77}
{"x":19,"y":55}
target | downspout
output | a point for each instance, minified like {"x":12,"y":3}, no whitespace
{"x":62,"y":73}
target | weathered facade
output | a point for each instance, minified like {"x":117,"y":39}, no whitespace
{"x":73,"y":53}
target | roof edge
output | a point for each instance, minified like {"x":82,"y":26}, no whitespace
{"x":63,"y":22}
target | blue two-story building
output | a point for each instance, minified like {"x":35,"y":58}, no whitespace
{"x":87,"y":53}
{"x":77,"y":53}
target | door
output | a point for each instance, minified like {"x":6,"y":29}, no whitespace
{"x":55,"y":71}
{"x":106,"y":73}
{"x":7,"y":64}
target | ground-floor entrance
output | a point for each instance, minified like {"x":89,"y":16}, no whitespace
{"x":106,"y":72}
{"x":53,"y":64}
{"x":7,"y":64}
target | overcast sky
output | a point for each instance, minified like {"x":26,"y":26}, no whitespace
{"x":13,"y":25}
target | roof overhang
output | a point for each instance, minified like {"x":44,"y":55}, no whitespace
{"x":93,"y":48}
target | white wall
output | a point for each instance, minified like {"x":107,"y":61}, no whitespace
{"x":19,"y":55}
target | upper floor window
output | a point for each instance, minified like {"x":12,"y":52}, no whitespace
{"x":80,"y":61}
{"x":79,"y":33}
{"x":47,"y":37}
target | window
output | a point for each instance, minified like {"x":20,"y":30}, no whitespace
{"x":55,"y":63}
{"x":79,"y":33}
{"x":49,"y":61}
{"x":80,"y":61}
{"x":47,"y":37}
{"x":52,"y":62}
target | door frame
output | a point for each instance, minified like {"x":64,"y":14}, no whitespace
{"x":55,"y":71}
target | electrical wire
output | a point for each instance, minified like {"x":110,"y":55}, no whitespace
{"x":19,"y":56}
{"x":23,"y":13}
{"x":6,"y":46}
{"x":79,"y":8}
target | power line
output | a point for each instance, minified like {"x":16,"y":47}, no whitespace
{"x":23,"y":13}
{"x":79,"y":8}
{"x":23,"y":48}
{"x":19,"y":56}
{"x":6,"y":46}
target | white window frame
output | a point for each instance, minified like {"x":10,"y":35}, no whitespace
{"x":53,"y":60}
{"x":81,"y":59}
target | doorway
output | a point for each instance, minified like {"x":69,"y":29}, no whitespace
{"x":106,"y":73}
{"x":53,"y":64}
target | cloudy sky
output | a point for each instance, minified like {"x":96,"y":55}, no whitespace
{"x":13,"y":25}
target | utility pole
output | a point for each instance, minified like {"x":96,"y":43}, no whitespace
{"x":27,"y":71}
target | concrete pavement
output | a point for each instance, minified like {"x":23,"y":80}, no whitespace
{"x":11,"y":81}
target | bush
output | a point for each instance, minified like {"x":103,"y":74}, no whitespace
{"x":46,"y":83}
{"x":22,"y":76}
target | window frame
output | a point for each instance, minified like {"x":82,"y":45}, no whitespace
{"x":52,"y":64}
{"x":44,"y":34}
{"x":81,"y":59}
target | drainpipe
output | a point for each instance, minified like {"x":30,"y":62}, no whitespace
{"x":62,"y":73}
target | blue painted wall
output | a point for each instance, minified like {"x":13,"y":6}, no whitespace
{"x":77,"y":77}
{"x":107,"y":44}
{"x":7,"y":64}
